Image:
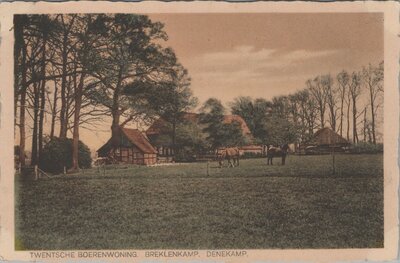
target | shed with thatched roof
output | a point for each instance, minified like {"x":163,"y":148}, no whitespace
{"x":327,"y":140}
{"x":131,"y":147}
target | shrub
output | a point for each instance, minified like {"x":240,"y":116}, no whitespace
{"x":365,"y":147}
{"x":57,"y":153}
{"x":185,"y":155}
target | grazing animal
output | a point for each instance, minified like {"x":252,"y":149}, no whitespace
{"x":277,"y":152}
{"x":231,"y":154}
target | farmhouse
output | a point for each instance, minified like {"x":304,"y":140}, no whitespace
{"x":131,"y":147}
{"x":326,"y":140}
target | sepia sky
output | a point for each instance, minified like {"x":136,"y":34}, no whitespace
{"x":264,"y":55}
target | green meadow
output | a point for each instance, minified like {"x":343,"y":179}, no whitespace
{"x":189,"y":206}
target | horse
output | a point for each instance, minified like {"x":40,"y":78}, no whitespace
{"x":277,"y":152}
{"x":232,"y":154}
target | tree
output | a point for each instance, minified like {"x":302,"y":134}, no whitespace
{"x":355,"y":91}
{"x":254,"y":112}
{"x":220,"y":133}
{"x":372,"y":78}
{"x":212,"y":116}
{"x":172,"y":99}
{"x":244,"y":107}
{"x":281,"y":131}
{"x":331,"y":99}
{"x":317,"y":90}
{"x":261,"y":109}
{"x":87,"y":31}
{"x":130,"y":53}
{"x":343,"y":82}
{"x":31,"y":58}
{"x":190,"y":139}
{"x":306,"y":113}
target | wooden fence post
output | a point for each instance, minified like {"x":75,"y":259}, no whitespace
{"x":65,"y":170}
{"x":36,"y":172}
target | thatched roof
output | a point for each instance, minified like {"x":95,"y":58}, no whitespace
{"x":135,"y":137}
{"x":160,"y":126}
{"x":328,"y":137}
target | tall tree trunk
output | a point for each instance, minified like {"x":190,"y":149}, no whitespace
{"x":355,"y":135}
{"x":22,"y":128}
{"x":115,"y":112}
{"x":21,"y":47}
{"x":54,"y":110}
{"x":36,"y":98}
{"x":322,"y":116}
{"x":341,"y":113}
{"x":332,"y":118}
{"x":116,"y":116}
{"x":75,"y":136}
{"x":174,"y":138}
{"x":63,"y":111}
{"x":369,"y":135}
{"x":372,"y":116}
{"x":42,"y":96}
{"x":41,"y":118}
{"x":348,"y":121}
{"x":365,"y":125}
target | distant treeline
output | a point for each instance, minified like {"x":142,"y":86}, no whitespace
{"x":349,"y":103}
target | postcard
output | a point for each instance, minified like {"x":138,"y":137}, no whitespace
{"x":199,"y":132}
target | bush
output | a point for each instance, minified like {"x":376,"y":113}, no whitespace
{"x":57,"y":153}
{"x":185,"y":156}
{"x":365,"y":147}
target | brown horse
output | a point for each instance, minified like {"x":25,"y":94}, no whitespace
{"x":231,"y":154}
{"x":277,"y":152}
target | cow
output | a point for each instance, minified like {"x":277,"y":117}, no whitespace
{"x":277,"y":152}
{"x":232,"y":154}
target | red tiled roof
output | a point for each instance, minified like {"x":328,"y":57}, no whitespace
{"x":237,"y":118}
{"x":138,"y":139}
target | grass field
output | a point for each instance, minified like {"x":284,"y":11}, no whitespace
{"x":300,"y":205}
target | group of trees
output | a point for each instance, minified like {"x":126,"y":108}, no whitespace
{"x":348,"y":103}
{"x":202,"y":132}
{"x":218,"y":132}
{"x":72,"y":70}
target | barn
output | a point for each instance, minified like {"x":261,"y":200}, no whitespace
{"x":326,"y":140}
{"x":132,"y":147}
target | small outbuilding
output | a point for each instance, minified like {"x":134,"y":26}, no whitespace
{"x":131,"y":147}
{"x":326,"y":140}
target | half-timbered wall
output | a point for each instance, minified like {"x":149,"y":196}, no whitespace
{"x":133,"y":155}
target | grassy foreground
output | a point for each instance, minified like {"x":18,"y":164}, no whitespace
{"x":300,"y":205}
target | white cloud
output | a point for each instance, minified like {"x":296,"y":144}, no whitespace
{"x":247,"y":58}
{"x":247,"y":71}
